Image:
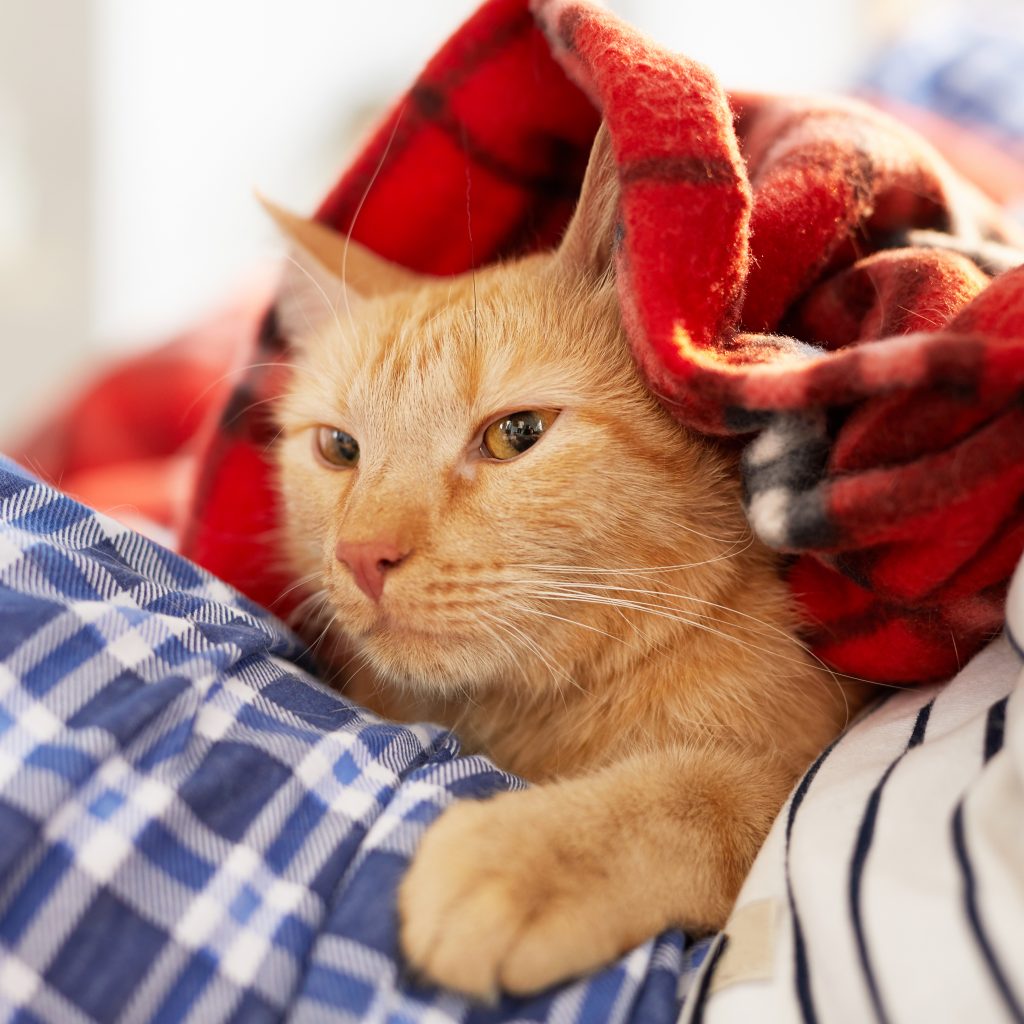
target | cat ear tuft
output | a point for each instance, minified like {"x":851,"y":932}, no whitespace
{"x":587,"y":244}
{"x":327,"y":272}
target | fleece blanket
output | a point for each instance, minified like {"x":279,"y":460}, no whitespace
{"x":806,"y":275}
{"x":192,"y":828}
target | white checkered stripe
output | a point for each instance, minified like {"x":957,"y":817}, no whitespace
{"x":191,"y":827}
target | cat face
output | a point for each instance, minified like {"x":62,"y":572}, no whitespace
{"x":455,"y":454}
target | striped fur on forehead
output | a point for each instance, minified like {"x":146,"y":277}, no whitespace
{"x":506,"y":337}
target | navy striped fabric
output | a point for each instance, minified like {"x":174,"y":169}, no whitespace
{"x":191,"y":827}
{"x":891,"y":888}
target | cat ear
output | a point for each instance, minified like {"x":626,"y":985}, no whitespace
{"x":327,"y":272}
{"x":587,"y":243}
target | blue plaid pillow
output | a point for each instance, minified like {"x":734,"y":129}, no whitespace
{"x":193,"y":828}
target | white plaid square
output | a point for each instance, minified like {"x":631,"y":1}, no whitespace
{"x":244,"y":957}
{"x":104,"y":852}
{"x":314,"y":768}
{"x":242,"y":863}
{"x":18,"y":982}
{"x":153,"y":797}
{"x":199,"y":922}
{"x":130,"y":649}
{"x":40,"y":723}
{"x":214,"y":722}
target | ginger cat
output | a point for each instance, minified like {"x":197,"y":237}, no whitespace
{"x":515,"y":539}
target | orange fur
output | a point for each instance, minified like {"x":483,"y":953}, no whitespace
{"x":593,"y":614}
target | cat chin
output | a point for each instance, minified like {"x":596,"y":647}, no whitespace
{"x":427,"y":663}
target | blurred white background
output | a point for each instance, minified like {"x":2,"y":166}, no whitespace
{"x":133,"y":133}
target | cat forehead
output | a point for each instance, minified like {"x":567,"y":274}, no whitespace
{"x":494,"y":317}
{"x":458,"y":359}
{"x":464,"y":348}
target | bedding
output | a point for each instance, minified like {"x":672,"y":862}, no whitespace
{"x":891,"y":887}
{"x":192,"y":828}
{"x":955,"y":77}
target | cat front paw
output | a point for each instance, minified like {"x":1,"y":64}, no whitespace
{"x":507,"y":894}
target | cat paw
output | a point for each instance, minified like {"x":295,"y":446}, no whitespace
{"x":506,"y":895}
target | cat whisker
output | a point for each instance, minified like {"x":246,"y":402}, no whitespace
{"x":469,"y":232}
{"x":564,"y":592}
{"x":236,"y":371}
{"x":574,"y":622}
{"x":680,"y":596}
{"x":733,"y":539}
{"x":665,"y":612}
{"x":358,"y":210}
{"x":327,"y":299}
{"x":468,"y":702}
{"x":255,"y":405}
{"x":270,"y":365}
{"x":531,"y":645}
{"x":528,"y":644}
{"x":675,"y":594}
{"x":362,"y":656}
{"x":311,"y":649}
{"x":273,"y":440}
{"x":649,"y":570}
{"x":301,"y":612}
{"x":507,"y":647}
{"x":301,"y":582}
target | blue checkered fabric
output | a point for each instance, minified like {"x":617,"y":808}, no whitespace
{"x":191,"y":827}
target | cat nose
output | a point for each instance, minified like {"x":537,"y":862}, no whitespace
{"x":369,"y":561}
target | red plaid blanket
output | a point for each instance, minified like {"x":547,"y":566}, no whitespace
{"x":804,"y":274}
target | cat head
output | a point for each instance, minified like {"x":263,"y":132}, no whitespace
{"x":471,"y":466}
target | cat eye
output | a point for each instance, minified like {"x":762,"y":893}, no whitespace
{"x":336,"y":447}
{"x":513,"y":434}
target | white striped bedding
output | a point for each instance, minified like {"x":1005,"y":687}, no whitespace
{"x":891,"y":888}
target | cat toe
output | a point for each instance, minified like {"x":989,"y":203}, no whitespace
{"x":489,"y":905}
{"x":453,"y":914}
{"x":474,"y":939}
{"x":561,"y":942}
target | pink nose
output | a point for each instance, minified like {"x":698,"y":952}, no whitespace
{"x":369,"y":561}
